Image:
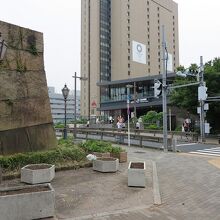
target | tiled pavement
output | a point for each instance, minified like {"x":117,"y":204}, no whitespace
{"x":189,"y":188}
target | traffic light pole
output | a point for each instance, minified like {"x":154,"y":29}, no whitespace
{"x":128,"y":112}
{"x":164,"y":91}
{"x":202,"y":113}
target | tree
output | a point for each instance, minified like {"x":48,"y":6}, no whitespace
{"x":180,"y":68}
{"x":152,"y":119}
{"x":187,"y":97}
{"x":184,"y":97}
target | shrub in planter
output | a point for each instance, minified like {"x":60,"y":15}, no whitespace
{"x":91,"y":146}
{"x":118,"y":152}
{"x":98,"y":154}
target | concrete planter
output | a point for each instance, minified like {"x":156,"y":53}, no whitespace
{"x":37,"y":173}
{"x":106,"y":164}
{"x":0,"y":175}
{"x":137,"y":174}
{"x":98,"y":154}
{"x":122,"y":156}
{"x":27,"y":202}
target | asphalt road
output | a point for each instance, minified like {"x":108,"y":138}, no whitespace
{"x":199,"y":148}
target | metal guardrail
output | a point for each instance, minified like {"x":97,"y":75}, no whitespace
{"x":192,"y":136}
{"x":138,"y":136}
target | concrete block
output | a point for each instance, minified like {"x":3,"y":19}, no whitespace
{"x":137,"y":174}
{"x":27,"y":202}
{"x":106,"y":164}
{"x":37,"y":173}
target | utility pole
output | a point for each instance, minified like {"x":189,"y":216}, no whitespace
{"x":135,"y":100}
{"x":202,"y":102}
{"x":81,"y":78}
{"x":164,"y":90}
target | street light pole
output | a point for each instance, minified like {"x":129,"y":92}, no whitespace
{"x":65,"y":92}
{"x":81,"y":78}
{"x":164,"y":91}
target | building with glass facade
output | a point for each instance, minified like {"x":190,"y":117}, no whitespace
{"x":121,"y":44}
{"x":57,"y":106}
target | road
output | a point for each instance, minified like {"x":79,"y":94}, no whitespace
{"x":200,"y":149}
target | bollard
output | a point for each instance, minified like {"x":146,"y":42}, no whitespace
{"x":174,"y":142}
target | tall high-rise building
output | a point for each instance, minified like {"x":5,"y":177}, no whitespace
{"x":121,"y":44}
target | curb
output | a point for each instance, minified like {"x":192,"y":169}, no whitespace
{"x":156,"y":189}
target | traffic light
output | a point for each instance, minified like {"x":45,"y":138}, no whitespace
{"x":202,"y":93}
{"x":157,"y":88}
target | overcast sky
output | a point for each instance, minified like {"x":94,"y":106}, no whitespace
{"x":59,"y":20}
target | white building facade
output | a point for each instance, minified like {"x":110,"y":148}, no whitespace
{"x":58,"y":107}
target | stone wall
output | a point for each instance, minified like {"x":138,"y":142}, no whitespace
{"x":24,"y":102}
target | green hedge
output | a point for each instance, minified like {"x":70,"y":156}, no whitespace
{"x":58,"y":155}
{"x":91,"y":146}
{"x":65,"y":152}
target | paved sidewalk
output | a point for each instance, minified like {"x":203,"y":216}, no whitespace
{"x":189,"y":189}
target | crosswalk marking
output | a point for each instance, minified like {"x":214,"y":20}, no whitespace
{"x":209,"y":152}
{"x":179,"y":145}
